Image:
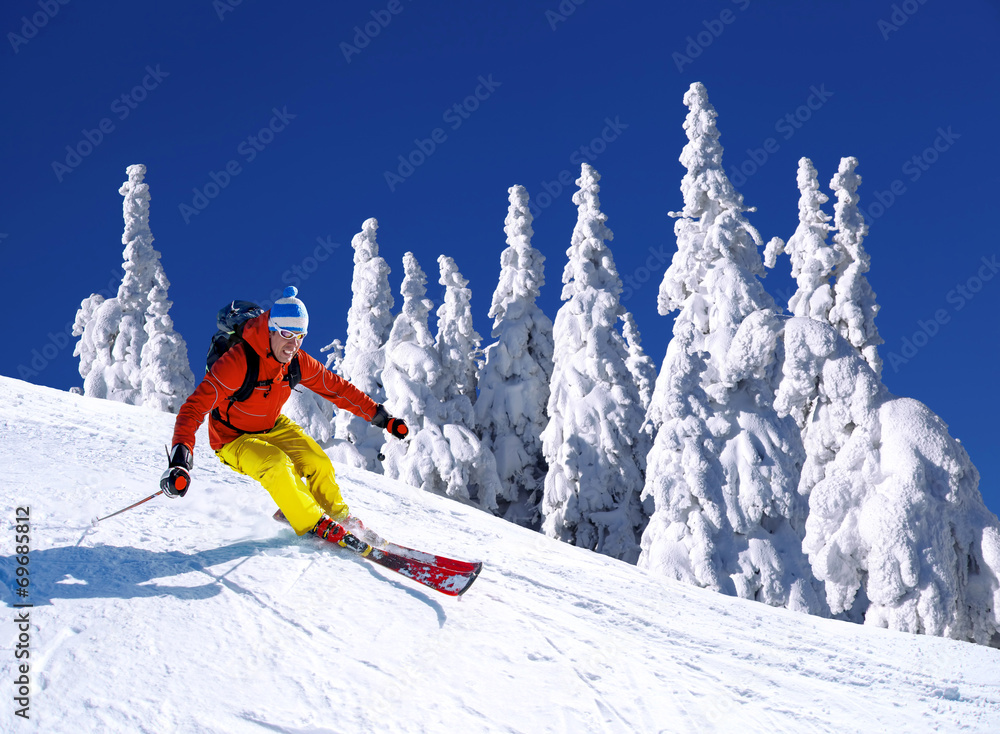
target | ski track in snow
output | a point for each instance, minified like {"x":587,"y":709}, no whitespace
{"x":204,"y":615}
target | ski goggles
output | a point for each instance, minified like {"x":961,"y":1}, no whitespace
{"x":286,"y":334}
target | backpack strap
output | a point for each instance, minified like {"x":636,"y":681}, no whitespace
{"x":250,"y":378}
{"x":250,"y":383}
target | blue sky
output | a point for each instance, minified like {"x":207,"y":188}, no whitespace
{"x":272,"y":131}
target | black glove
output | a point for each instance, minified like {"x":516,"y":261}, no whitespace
{"x":177,"y":478}
{"x":395,"y":426}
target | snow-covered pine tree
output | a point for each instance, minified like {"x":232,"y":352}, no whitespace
{"x":85,"y":348}
{"x":724,"y":467}
{"x":897,"y":529}
{"x":643,"y":371}
{"x":854,"y":309}
{"x":165,"y":372}
{"x":813,"y":260}
{"x":141,"y":264}
{"x":167,"y":380}
{"x":129,"y":350}
{"x":369,"y":320}
{"x":514,"y":379}
{"x":441,"y":455}
{"x":595,"y":414}
{"x":457,"y":342}
{"x":97,"y":325}
{"x":639,"y":364}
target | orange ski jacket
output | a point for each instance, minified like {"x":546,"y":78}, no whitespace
{"x":258,"y":413}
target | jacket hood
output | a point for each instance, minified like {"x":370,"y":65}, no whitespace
{"x":256,"y":334}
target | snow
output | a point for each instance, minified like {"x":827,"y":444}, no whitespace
{"x":203,"y":615}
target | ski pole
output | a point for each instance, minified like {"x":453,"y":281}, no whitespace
{"x":124,"y":509}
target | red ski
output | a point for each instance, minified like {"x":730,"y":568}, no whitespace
{"x":447,"y":575}
{"x":447,"y":581}
{"x":450,"y":564}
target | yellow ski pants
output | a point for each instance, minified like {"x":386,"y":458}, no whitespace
{"x":280,"y":460}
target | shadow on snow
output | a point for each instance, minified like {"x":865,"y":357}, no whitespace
{"x":108,"y":571}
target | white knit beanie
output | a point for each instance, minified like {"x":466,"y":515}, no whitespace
{"x":289,"y":313}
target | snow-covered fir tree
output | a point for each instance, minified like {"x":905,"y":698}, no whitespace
{"x":85,"y":348}
{"x":643,"y":371}
{"x":854,"y":309}
{"x":146,"y":360}
{"x":639,"y":364}
{"x":813,"y":264}
{"x":141,"y":264}
{"x":594,"y":479}
{"x":724,"y":469}
{"x":897,"y":530}
{"x":167,"y":379}
{"x":514,"y":379}
{"x":96,"y":324}
{"x":813,"y":259}
{"x":441,"y":455}
{"x":369,"y":320}
{"x":457,"y":342}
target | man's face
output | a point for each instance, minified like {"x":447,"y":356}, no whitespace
{"x":285,"y":348}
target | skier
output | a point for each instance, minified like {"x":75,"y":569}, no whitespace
{"x":255,"y":439}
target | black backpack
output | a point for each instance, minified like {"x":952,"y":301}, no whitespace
{"x":231,"y":319}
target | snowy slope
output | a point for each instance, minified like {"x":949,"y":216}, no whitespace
{"x":204,"y":615}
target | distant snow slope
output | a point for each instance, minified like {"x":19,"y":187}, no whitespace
{"x":204,"y":615}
